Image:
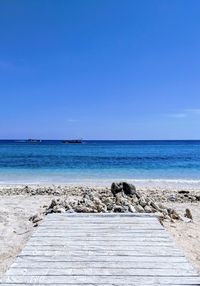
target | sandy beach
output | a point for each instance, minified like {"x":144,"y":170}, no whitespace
{"x":19,"y":202}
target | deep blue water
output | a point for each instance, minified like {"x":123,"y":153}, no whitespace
{"x":55,"y":161}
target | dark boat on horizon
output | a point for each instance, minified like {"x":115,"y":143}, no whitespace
{"x":77,"y":141}
{"x":33,"y":141}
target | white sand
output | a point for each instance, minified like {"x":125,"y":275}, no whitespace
{"x":15,"y":228}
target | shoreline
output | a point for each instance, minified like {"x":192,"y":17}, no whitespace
{"x":143,"y":184}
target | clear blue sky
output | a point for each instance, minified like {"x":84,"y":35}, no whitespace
{"x":100,"y":69}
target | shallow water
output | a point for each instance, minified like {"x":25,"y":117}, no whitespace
{"x":53,"y":161}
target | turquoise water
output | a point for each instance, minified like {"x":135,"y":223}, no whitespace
{"x":53,"y":161}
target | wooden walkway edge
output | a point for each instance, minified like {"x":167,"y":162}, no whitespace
{"x":100,"y":250}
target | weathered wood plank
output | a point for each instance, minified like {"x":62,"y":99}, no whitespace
{"x":84,"y":258}
{"x":100,"y":249}
{"x":100,"y":229}
{"x":145,"y":252}
{"x":124,"y":280}
{"x":100,"y":222}
{"x":21,"y":262}
{"x":98,"y":272}
{"x":102,"y":241}
{"x":93,"y":243}
{"x":121,"y":236}
{"x":88,"y":284}
{"x":103,"y":215}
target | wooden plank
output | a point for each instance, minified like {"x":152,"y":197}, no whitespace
{"x":103,"y":241}
{"x":101,"y":228}
{"x":124,"y":280}
{"x":99,"y":248}
{"x":26,"y":263}
{"x":93,"y":243}
{"x":96,"y":232}
{"x":103,"y":215}
{"x":99,"y":222}
{"x":88,"y":284}
{"x":121,"y":235}
{"x":131,"y":259}
{"x":98,"y":272}
{"x":145,"y":252}
{"x":94,"y":236}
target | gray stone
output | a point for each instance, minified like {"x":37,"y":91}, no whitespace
{"x":155,"y":206}
{"x":188,"y":214}
{"x":172,"y":198}
{"x":116,"y":188}
{"x":129,"y":189}
{"x":139,"y":208}
{"x":142,"y":202}
{"x":147,"y":209}
{"x":132,"y":209}
{"x":118,"y":209}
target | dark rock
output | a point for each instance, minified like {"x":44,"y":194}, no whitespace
{"x":35,"y":218}
{"x":118,"y":209}
{"x":188,"y":214}
{"x":53,"y":204}
{"x":116,"y":188}
{"x":183,"y":192}
{"x":197,"y":197}
{"x":128,"y":189}
{"x":174,"y":215}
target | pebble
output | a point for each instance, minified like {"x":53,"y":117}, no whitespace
{"x":188,"y":214}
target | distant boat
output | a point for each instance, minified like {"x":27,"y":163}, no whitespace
{"x":33,"y":141}
{"x":77,"y":141}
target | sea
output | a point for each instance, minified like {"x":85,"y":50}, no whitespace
{"x":52,"y":161}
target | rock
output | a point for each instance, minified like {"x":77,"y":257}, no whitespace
{"x":118,"y":209}
{"x":116,"y":188}
{"x":101,"y":208}
{"x":161,"y":206}
{"x":167,"y":217}
{"x":197,"y":197}
{"x":53,"y":204}
{"x":172,"y":198}
{"x":147,"y":209}
{"x":129,"y":189}
{"x":170,"y":211}
{"x":165,"y":212}
{"x":58,"y":209}
{"x":188,"y":214}
{"x":70,"y":211}
{"x":110,"y":207}
{"x":107,"y":201}
{"x":174,"y":215}
{"x":83,"y":209}
{"x":131,"y":209}
{"x":139,"y":208}
{"x":183,"y":192}
{"x":142,"y":202}
{"x":134,"y":199}
{"x":35,"y":218}
{"x":155,"y":206}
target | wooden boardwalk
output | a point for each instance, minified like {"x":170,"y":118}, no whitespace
{"x":100,"y":250}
